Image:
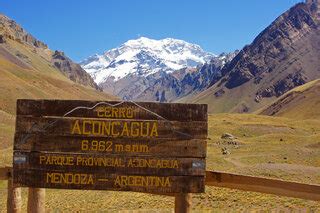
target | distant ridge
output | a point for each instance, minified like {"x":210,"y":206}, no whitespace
{"x":283,"y":56}
{"x":11,"y":31}
{"x":302,"y":102}
{"x":29,"y":69}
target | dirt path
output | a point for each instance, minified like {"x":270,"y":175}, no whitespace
{"x":235,"y":161}
{"x":290,"y":167}
{"x":275,"y":166}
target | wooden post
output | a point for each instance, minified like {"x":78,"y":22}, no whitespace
{"x":183,"y":203}
{"x":36,"y":200}
{"x":13,"y":198}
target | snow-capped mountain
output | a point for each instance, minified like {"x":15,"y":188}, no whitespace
{"x":134,"y":69}
{"x":144,"y":56}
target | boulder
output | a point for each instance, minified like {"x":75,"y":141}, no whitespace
{"x":2,"y":39}
{"x":225,"y":151}
{"x":227,"y":136}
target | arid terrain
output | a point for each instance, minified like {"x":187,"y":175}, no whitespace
{"x":275,"y":79}
{"x":273,"y":147}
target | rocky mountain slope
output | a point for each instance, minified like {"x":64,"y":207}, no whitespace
{"x":302,"y":102}
{"x":285,"y":55}
{"x":154,"y":70}
{"x":29,"y":69}
{"x":11,"y":31}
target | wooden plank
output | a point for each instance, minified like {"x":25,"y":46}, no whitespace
{"x":114,"y":128}
{"x":125,"y":110}
{"x":263,"y":185}
{"x":90,"y":181}
{"x":58,"y":143}
{"x":132,"y":147}
{"x":100,"y":163}
{"x":5,"y":173}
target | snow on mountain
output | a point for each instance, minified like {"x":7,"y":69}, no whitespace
{"x":154,"y":70}
{"x":143,"y":57}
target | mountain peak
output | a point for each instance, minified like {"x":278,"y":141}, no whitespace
{"x":154,"y":70}
{"x":9,"y":29}
{"x":166,"y":44}
{"x":145,"y":56}
{"x":139,"y":41}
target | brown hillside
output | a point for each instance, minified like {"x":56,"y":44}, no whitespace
{"x":25,"y":74}
{"x":285,"y":55}
{"x":10,"y":32}
{"x":28,"y":70}
{"x":302,"y":103}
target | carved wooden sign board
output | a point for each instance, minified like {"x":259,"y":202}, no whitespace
{"x":123,"y":146}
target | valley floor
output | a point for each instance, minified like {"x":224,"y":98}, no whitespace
{"x":264,"y":146}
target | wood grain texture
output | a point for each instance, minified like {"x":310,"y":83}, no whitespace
{"x":183,"y":203}
{"x":14,"y":202}
{"x":263,"y":185}
{"x":65,"y":127}
{"x":178,"y":184}
{"x":142,"y":110}
{"x":241,"y":182}
{"x":36,"y":200}
{"x":129,"y":147}
{"x":151,"y":147}
{"x":115,"y":164}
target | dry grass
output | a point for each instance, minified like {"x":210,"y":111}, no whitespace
{"x":39,"y":81}
{"x":268,"y":146}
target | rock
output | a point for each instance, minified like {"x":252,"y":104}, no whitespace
{"x":227,"y":136}
{"x":2,"y":39}
{"x":242,"y":108}
{"x":225,"y":151}
{"x":40,"y":44}
{"x":11,"y":30}
{"x":282,"y":86}
{"x":238,"y":78}
{"x":72,"y":70}
{"x":258,"y":98}
{"x":219,"y":93}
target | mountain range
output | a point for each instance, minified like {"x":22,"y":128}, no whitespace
{"x":283,"y":56}
{"x":154,"y":70}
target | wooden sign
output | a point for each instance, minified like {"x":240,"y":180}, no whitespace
{"x":125,"y":146}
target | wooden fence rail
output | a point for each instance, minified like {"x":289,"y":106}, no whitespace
{"x":263,"y":185}
{"x":183,"y":201}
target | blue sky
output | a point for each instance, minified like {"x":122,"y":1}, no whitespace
{"x":82,"y":28}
